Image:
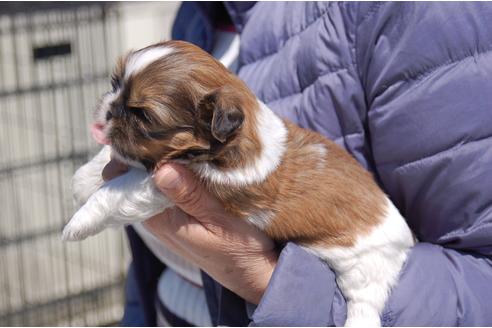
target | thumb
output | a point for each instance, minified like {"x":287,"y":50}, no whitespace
{"x":185,"y":190}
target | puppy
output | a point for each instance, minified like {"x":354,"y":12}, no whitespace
{"x":174,"y":102}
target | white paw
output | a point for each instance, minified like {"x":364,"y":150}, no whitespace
{"x":362,"y":321}
{"x":84,"y":186}
{"x":81,"y":226}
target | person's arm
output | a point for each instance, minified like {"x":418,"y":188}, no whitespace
{"x":438,"y":287}
{"x":199,"y":229}
{"x":426,"y":71}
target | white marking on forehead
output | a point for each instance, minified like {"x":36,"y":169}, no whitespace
{"x":141,"y":59}
{"x":105,"y":106}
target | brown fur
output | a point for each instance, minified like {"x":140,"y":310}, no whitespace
{"x":315,"y":199}
{"x":165,"y":113}
{"x":164,"y":109}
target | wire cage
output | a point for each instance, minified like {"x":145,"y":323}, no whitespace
{"x":55,"y":59}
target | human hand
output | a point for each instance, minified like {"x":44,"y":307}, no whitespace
{"x":236,"y":254}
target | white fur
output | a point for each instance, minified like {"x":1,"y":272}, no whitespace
{"x":131,"y":197}
{"x":367,"y":271}
{"x":320,"y":151}
{"x":105,"y":106}
{"x":272,"y":133}
{"x":141,"y":59}
{"x":136,"y":62}
{"x":261,"y":220}
{"x":88,"y":179}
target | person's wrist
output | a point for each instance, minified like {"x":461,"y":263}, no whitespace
{"x":257,"y":272}
{"x":264,"y":276}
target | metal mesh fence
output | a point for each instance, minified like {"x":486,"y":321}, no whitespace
{"x":54,"y":65}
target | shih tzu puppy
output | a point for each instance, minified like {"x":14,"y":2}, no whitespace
{"x":174,"y":102}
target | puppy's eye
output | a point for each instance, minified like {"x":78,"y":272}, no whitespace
{"x":109,"y":115}
{"x":139,"y":113}
{"x":115,"y":83}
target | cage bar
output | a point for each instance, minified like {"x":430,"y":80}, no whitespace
{"x":55,"y":59}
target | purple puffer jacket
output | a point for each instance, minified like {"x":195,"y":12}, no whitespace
{"x":406,"y":88}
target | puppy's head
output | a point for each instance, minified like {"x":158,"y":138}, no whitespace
{"x":173,"y":101}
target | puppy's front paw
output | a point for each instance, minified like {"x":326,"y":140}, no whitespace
{"x":81,"y":226}
{"x":84,"y":186}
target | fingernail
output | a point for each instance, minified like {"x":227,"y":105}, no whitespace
{"x":167,"y":177}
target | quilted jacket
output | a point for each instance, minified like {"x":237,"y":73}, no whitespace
{"x":406,"y":88}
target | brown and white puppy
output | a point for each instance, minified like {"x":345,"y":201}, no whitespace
{"x":174,"y":102}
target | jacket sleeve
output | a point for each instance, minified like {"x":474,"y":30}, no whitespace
{"x":426,"y":70}
{"x":437,"y":287}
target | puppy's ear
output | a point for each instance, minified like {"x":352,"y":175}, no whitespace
{"x":220,"y":114}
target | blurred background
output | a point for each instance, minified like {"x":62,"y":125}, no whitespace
{"x":55,"y":59}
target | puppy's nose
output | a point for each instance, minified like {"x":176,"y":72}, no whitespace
{"x":97,"y":131}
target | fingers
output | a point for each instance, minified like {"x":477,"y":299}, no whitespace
{"x":113,"y":169}
{"x":183,"y":189}
{"x":173,"y":222}
{"x":180,"y":232}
